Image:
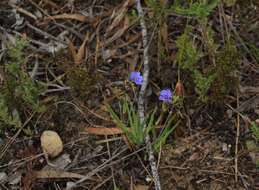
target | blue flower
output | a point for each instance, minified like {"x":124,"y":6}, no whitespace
{"x":166,"y":95}
{"x":136,"y":77}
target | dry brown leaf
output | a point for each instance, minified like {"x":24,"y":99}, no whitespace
{"x":163,"y":2}
{"x":141,"y":187}
{"x":78,"y":17}
{"x":72,"y":49}
{"x":82,"y":50}
{"x":194,"y":156}
{"x":249,"y":104}
{"x":179,"y":89}
{"x":164,"y":35}
{"x":119,"y":15}
{"x":56,"y":174}
{"x":108,"y":130}
{"x":80,"y":54}
{"x":104,"y":130}
{"x":51,"y":3}
{"x":128,"y":143}
{"x":118,"y":33}
{"x":109,"y":54}
{"x":249,"y":90}
{"x":25,"y":12}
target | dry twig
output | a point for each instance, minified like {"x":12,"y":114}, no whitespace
{"x":141,"y":99}
{"x":237,"y":140}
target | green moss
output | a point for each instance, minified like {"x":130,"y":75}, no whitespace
{"x":227,"y":61}
{"x":81,"y":81}
{"x":251,"y":146}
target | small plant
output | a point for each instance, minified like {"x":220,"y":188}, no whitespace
{"x":187,"y":58}
{"x":255,"y":130}
{"x":7,"y":118}
{"x":216,"y":77}
{"x":132,"y":15}
{"x":187,"y":55}
{"x":165,"y":132}
{"x":252,"y":145}
{"x":19,"y":91}
{"x":133,"y":128}
{"x":137,"y":131}
{"x":202,"y":84}
{"x":201,"y":8}
{"x":19,"y":84}
{"x":159,"y":9}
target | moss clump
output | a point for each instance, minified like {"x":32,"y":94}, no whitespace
{"x":81,"y":81}
{"x":227,"y":61}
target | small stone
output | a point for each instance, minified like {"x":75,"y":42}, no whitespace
{"x":256,"y":111}
{"x":15,"y":178}
{"x":1,"y":141}
{"x":51,"y":143}
{"x":70,"y":184}
{"x":3,"y":177}
{"x":60,"y":162}
{"x":229,"y":113}
{"x":224,"y":147}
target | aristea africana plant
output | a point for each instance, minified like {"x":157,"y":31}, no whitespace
{"x":135,"y":130}
{"x":132,"y":127}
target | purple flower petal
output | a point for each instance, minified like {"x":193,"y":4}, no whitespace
{"x":136,"y":77}
{"x":165,"y":95}
{"x":139,"y":80}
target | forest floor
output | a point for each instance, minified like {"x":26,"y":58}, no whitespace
{"x":62,"y":62}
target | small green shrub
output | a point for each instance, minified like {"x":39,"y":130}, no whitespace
{"x":19,"y":91}
{"x":200,"y":8}
{"x":216,"y":78}
{"x":252,"y":145}
{"x":187,"y":58}
{"x":255,"y":130}
{"x":7,"y":118}
{"x":202,"y":84}
{"x":187,"y":54}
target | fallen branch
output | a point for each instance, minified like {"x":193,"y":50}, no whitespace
{"x":141,"y":98}
{"x":65,"y":16}
{"x":56,"y":174}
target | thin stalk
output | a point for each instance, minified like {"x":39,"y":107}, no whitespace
{"x":141,"y":98}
